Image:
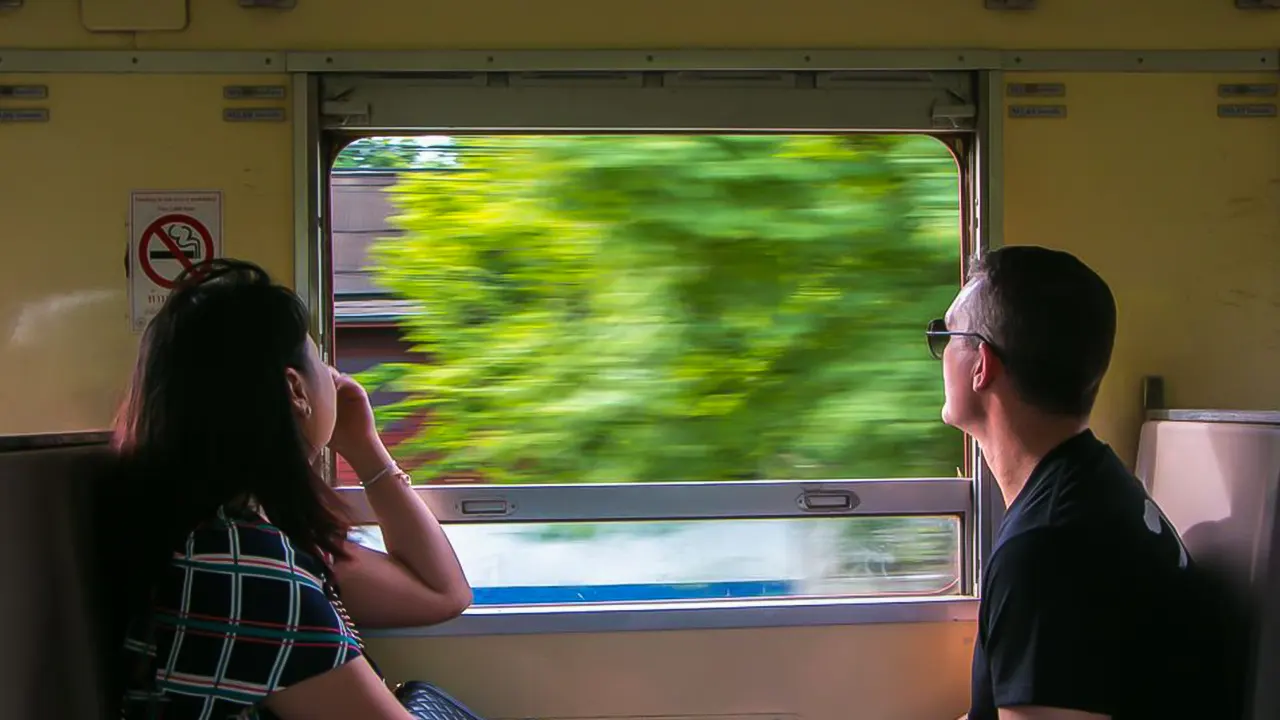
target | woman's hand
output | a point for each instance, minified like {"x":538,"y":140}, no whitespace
{"x":355,"y":435}
{"x":418,"y":581}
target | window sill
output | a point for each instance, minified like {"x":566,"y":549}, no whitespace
{"x":713,"y":615}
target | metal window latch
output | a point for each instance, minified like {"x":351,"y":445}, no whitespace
{"x":10,"y":4}
{"x":828,"y":501}
{"x":269,"y":4}
{"x":1009,"y":4}
{"x":1257,"y":4}
{"x":486,"y":507}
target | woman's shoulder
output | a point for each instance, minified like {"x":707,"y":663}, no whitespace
{"x":241,"y":613}
{"x":244,"y":543}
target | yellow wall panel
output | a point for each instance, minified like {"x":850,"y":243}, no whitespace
{"x":133,"y":15}
{"x":54,"y":24}
{"x":65,"y":345}
{"x":1180,"y":212}
{"x":881,"y":672}
{"x":564,"y":24}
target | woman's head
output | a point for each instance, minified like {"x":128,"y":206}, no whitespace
{"x":231,"y":404}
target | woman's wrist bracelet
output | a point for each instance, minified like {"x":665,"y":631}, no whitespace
{"x":392,"y":469}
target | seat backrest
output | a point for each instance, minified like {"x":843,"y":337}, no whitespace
{"x":1216,"y":477}
{"x":54,"y":659}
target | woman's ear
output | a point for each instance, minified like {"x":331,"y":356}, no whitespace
{"x":298,"y":392}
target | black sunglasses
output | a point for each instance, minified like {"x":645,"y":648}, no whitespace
{"x":938,"y":335}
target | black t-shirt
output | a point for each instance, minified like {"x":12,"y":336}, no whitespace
{"x":1090,"y":602}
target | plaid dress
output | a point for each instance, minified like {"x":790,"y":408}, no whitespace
{"x":239,"y":613}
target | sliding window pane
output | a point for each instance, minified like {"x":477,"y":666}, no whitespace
{"x":574,"y":563}
{"x":641,"y":308}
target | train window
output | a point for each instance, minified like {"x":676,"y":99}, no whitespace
{"x":638,"y":343}
{"x":557,"y":310}
{"x":572,"y":563}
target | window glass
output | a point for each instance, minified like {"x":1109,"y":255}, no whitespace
{"x":640,"y":308}
{"x":575,"y":563}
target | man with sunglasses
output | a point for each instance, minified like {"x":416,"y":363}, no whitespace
{"x":1091,"y":607}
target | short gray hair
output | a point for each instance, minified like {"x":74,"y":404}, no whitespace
{"x":1052,"y":321}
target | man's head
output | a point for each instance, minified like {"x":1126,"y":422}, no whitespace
{"x":1032,"y":328}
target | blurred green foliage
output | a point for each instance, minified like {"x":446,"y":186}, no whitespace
{"x":674,"y":307}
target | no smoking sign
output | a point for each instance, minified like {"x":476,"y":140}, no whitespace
{"x":169,"y":233}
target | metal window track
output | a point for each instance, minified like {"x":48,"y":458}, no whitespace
{"x":15,"y":60}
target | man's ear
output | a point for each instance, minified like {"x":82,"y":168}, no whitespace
{"x":986,"y":368}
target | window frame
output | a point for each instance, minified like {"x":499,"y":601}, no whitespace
{"x":723,"y":500}
{"x":673,"y":101}
{"x":361,"y":105}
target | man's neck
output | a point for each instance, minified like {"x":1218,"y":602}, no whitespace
{"x":1013,"y":456}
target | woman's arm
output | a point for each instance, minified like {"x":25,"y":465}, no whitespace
{"x":419,"y":581}
{"x":353,"y":690}
{"x":308,"y":662}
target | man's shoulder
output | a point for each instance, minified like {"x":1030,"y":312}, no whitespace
{"x":1084,"y":493}
{"x":1050,"y":559}
{"x":1032,"y":545}
{"x":1098,"y":549}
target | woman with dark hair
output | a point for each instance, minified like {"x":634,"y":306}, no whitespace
{"x":236,"y":547}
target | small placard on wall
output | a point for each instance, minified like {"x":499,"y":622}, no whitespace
{"x":169,"y":233}
{"x":253,"y":92}
{"x":1036,"y":90}
{"x":1247,"y":110}
{"x":30,"y":115}
{"x":258,"y":114}
{"x":24,"y":92}
{"x":1245,"y":90}
{"x":1035,"y":112}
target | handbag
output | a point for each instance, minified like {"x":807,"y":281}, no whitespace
{"x":423,"y":700}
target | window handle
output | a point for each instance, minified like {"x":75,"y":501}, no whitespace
{"x":485,"y":507}
{"x":828,"y":501}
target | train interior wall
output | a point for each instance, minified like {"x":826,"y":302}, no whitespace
{"x":1177,"y":208}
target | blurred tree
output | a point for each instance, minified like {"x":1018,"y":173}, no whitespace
{"x":380,"y":153}
{"x":630,"y":309}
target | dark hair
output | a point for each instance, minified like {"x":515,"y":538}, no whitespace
{"x":1052,"y":321}
{"x":209,"y":423}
